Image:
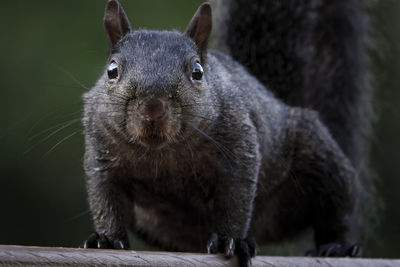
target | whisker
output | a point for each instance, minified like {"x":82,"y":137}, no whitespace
{"x":77,"y":216}
{"x":144,"y":153}
{"x":13,"y":126}
{"x":192,"y":115}
{"x":114,"y":95}
{"x":63,"y":125}
{"x":104,"y":103}
{"x":214,"y":122}
{"x":60,"y":142}
{"x":111,"y":114}
{"x":74,"y":78}
{"x":208,"y":104}
{"x":228,"y":155}
{"x":192,"y":161}
{"x":49,"y":135}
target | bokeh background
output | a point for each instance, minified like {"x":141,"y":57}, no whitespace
{"x":51,"y":52}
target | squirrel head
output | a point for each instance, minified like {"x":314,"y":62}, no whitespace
{"x":155,"y":82}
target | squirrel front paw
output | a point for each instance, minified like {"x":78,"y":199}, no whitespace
{"x":336,"y":250}
{"x":96,"y":240}
{"x":243,"y":248}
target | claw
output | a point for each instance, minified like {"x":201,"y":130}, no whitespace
{"x":101,"y":241}
{"x":212,"y":244}
{"x":119,"y":245}
{"x":336,"y":250}
{"x":251,"y":243}
{"x":331,"y":250}
{"x":243,"y":248}
{"x":355,"y":251}
{"x":230,"y":248}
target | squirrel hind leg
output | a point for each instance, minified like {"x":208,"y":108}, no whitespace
{"x":295,"y":208}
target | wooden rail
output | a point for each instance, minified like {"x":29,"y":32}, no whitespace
{"x":43,"y":256}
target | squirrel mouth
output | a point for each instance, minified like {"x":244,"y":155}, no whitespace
{"x":153,"y":141}
{"x":150,"y":134}
{"x":153,"y":136}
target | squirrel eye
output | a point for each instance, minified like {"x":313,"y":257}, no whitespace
{"x":197,"y":72}
{"x":112,"y":71}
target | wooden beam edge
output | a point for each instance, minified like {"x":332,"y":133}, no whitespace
{"x":56,"y":256}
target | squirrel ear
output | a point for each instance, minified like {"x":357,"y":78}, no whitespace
{"x":116,"y":22}
{"x":199,"y":28}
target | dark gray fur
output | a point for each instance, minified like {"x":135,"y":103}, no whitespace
{"x":242,"y":163}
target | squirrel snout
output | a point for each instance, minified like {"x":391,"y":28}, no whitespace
{"x":153,"y":110}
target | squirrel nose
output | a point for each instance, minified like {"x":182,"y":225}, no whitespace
{"x":153,"y":110}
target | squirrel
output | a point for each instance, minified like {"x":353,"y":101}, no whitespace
{"x":193,"y":151}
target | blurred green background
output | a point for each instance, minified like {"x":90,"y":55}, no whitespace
{"x":51,"y":51}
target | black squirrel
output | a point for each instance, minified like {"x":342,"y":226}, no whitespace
{"x":188,"y":150}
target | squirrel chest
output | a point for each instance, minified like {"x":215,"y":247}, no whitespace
{"x":172,"y":191}
{"x":173,"y":181}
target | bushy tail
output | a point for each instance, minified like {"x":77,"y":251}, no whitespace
{"x":310,"y":53}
